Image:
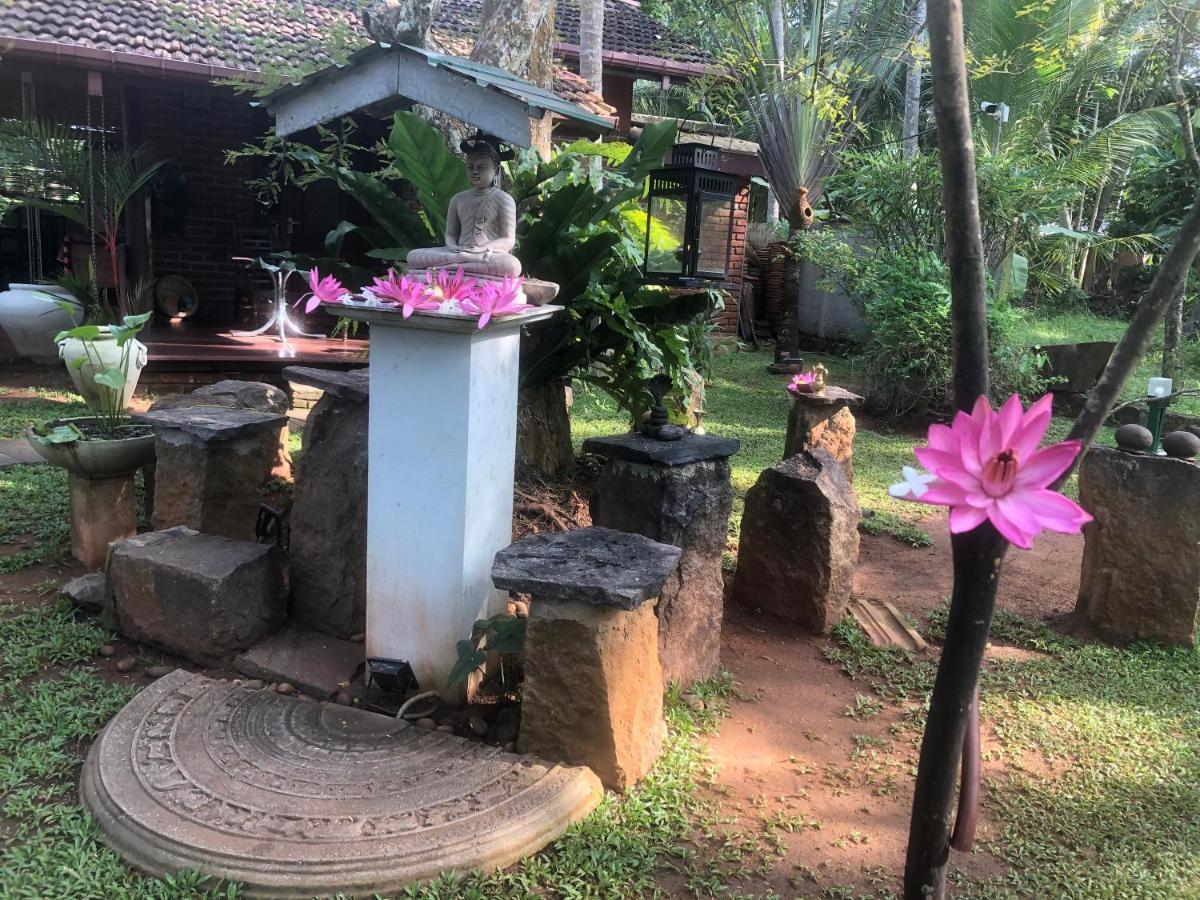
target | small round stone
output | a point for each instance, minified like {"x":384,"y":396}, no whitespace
{"x":108,"y":650}
{"x":284,"y":688}
{"x":427,"y":724}
{"x":128,"y":664}
{"x":510,"y":747}
{"x":1134,"y":438}
{"x":671,"y":433}
{"x":1181,"y":444}
{"x":344,"y":697}
{"x":358,"y":637}
{"x":478,"y":726}
{"x":446,"y":729}
{"x":159,"y":671}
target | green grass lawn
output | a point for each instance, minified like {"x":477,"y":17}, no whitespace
{"x":1071,"y":327}
{"x":1097,"y":794}
{"x":1092,"y":756}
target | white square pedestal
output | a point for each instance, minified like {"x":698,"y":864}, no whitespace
{"x":442,"y":449}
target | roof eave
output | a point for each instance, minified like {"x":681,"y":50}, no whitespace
{"x":651,"y":65}
{"x":118,"y":61}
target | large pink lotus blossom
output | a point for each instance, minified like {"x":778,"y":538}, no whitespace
{"x":324,"y":290}
{"x":407,"y":293}
{"x":450,"y":286}
{"x":493,"y":299}
{"x":802,"y":383}
{"x":986,"y":465}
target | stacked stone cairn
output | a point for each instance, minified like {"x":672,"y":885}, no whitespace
{"x":199,"y":586}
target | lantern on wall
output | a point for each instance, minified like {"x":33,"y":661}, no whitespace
{"x":689,"y":218}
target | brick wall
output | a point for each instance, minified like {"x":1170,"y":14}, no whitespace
{"x":726,"y":320}
{"x":195,"y":125}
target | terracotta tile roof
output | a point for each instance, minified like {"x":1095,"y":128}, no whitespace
{"x":251,"y":34}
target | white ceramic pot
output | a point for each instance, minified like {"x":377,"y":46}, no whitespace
{"x":31,"y":321}
{"x":98,"y":355}
{"x":96,"y":458}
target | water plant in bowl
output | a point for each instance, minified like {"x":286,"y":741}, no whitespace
{"x":104,"y":362}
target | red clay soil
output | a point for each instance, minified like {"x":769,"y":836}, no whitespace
{"x":841,"y":786}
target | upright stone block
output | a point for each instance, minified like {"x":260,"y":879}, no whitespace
{"x":678,"y":493}
{"x":328,"y":549}
{"x":200,"y":596}
{"x":102,"y":511}
{"x":799,"y":542}
{"x":826,"y":421}
{"x":231,"y":394}
{"x":593,"y":685}
{"x":1140,"y":578}
{"x":212,"y":464}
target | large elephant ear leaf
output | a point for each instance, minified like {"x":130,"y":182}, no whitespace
{"x":648,"y":153}
{"x":423,"y":159}
{"x":400,"y":225}
{"x":568,"y":207}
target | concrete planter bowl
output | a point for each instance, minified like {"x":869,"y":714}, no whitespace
{"x":96,"y":458}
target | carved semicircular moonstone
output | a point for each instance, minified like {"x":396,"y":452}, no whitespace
{"x":296,"y":799}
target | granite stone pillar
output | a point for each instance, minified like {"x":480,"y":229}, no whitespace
{"x":799,"y":542}
{"x":592,"y":693}
{"x":1140,"y":579}
{"x":678,"y":493}
{"x":826,"y":421}
{"x":328,"y":548}
{"x":212,"y":465}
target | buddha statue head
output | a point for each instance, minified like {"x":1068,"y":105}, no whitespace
{"x":483,"y":154}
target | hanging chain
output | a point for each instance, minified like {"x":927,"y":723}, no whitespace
{"x":33,"y":216}
{"x":93,"y":275}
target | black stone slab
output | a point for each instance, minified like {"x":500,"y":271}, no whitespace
{"x":595,"y":565}
{"x":352,"y":385}
{"x":635,"y":448}
{"x":211,"y":423}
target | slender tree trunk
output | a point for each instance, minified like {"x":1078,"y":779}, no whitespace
{"x":1173,"y":328}
{"x":912,"y":89}
{"x":591,"y":43}
{"x":977,"y":554}
{"x":541,"y":73}
{"x":506,"y":35}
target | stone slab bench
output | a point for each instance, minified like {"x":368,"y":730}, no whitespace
{"x":593,"y":682}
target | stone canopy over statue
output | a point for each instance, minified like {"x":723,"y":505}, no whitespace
{"x":481,"y":223}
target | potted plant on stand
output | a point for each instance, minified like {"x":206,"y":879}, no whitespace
{"x":88,"y":184}
{"x":101,"y":452}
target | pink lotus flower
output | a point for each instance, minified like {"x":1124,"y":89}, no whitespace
{"x":450,"y":287}
{"x":802,"y":383}
{"x":495,"y":299}
{"x":407,"y":293}
{"x":987,"y":466}
{"x":324,"y":290}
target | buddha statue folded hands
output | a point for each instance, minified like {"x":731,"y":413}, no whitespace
{"x":481,"y":223}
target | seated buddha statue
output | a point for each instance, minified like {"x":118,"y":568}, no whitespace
{"x":481,"y":224}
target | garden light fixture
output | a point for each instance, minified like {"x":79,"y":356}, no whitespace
{"x":1159,"y":392}
{"x":689,"y":219}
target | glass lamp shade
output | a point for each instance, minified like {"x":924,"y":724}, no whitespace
{"x":1159,"y":387}
{"x":689,"y":225}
